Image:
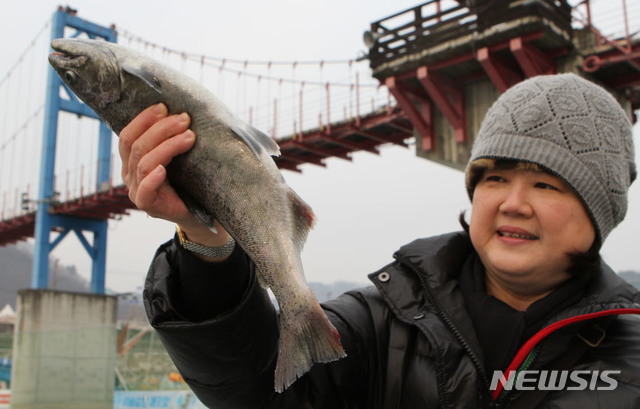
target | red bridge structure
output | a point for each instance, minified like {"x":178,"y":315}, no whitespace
{"x":445,"y":65}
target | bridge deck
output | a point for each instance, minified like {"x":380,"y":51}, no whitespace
{"x":339,"y":140}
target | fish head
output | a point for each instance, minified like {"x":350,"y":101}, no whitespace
{"x":89,"y":69}
{"x":116,"y":82}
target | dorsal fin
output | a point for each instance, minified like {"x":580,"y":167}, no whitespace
{"x":255,"y":139}
{"x":144,"y":75}
{"x":303,"y":219}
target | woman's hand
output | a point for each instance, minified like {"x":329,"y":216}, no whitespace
{"x":147,"y":145}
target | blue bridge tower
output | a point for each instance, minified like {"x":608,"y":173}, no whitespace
{"x":65,"y":21}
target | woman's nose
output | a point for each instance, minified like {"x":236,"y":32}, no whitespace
{"x":516,"y":202}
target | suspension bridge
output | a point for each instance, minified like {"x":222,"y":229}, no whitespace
{"x":429,"y":74}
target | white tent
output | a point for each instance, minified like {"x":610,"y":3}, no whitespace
{"x":7,"y":315}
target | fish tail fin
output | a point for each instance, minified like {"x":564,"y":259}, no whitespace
{"x":306,"y":337}
{"x":303,"y":219}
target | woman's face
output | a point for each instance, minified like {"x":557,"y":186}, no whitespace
{"x":524,"y":223}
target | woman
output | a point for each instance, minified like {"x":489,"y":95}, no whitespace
{"x":449,"y":322}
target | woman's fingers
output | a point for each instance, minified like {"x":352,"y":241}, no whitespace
{"x":139,"y":125}
{"x":160,"y":155}
{"x":158,"y":133}
{"x":148,"y":144}
{"x":164,"y":152}
{"x":148,"y":190}
{"x":158,"y":199}
{"x":145,"y":132}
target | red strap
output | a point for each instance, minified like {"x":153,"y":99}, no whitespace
{"x":540,"y":335}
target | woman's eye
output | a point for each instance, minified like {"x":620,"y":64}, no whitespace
{"x":493,"y":178}
{"x":543,"y":185}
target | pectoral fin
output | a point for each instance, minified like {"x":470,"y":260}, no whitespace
{"x":144,"y":75}
{"x":255,"y":139}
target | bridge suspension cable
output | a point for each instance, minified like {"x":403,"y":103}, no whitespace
{"x":22,"y":89}
{"x":133,"y":37}
{"x":282,"y":98}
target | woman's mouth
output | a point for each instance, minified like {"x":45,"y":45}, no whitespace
{"x":516,"y":233}
{"x":517,"y":236}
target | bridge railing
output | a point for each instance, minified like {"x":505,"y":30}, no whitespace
{"x":437,"y":22}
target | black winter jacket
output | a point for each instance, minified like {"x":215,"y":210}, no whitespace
{"x":409,"y":340}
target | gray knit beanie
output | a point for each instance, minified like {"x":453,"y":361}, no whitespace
{"x":572,"y":128}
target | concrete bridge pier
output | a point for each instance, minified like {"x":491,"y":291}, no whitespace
{"x":64,"y":351}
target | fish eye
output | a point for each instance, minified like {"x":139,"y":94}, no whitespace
{"x":70,"y":76}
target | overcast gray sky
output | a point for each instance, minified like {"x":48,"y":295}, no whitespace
{"x":366,"y":208}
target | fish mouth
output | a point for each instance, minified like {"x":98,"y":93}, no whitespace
{"x":65,"y":58}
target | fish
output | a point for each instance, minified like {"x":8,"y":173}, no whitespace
{"x":229,"y":175}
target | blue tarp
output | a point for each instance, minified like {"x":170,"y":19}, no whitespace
{"x":5,"y":370}
{"x":156,"y":400}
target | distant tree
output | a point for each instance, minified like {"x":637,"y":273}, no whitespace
{"x":327,"y":291}
{"x":633,"y":277}
{"x":15,"y":273}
